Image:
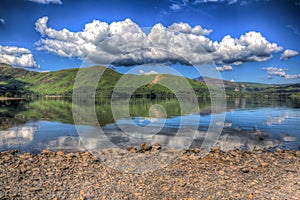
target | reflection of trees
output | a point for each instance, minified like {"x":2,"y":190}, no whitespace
{"x":137,"y":108}
{"x":254,"y":103}
{"x":8,"y":113}
{"x":60,"y":110}
{"x":19,"y":112}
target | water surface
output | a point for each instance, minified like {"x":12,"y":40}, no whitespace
{"x":34,"y":125}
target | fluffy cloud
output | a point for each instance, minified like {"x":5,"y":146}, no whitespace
{"x":228,"y":2}
{"x":293,"y":76}
{"x":46,"y":1}
{"x":125,"y":43}
{"x":187,"y":29}
{"x":175,"y":7}
{"x":142,"y":72}
{"x":251,"y":47}
{"x":2,"y":21}
{"x":19,"y":57}
{"x":224,"y":68}
{"x":274,"y":71}
{"x":288,"y":54}
{"x":182,"y":4}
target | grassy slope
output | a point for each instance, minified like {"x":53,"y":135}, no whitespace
{"x":20,"y":82}
{"x":259,"y":90}
{"x":264,"y":90}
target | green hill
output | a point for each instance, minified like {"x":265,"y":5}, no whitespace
{"x":20,"y":82}
{"x":17,"y":82}
{"x":259,"y":90}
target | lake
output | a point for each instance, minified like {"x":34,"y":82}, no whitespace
{"x":34,"y":125}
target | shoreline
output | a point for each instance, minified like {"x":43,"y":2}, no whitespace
{"x":194,"y":174}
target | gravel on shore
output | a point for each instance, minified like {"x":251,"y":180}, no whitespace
{"x":216,"y":175}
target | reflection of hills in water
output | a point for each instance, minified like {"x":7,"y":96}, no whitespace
{"x":60,"y":110}
{"x":17,"y":128}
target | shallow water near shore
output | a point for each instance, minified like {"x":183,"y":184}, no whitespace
{"x":48,"y":124}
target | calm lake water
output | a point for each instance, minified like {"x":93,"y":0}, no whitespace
{"x":48,"y":124}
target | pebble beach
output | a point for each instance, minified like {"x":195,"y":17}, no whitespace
{"x":234,"y":174}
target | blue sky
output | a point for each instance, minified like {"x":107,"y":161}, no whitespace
{"x":264,"y":29}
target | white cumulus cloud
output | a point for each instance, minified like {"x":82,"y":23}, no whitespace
{"x":274,"y":71}
{"x":293,"y":76}
{"x":142,"y":72}
{"x":46,"y":1}
{"x":175,"y":7}
{"x":288,"y":53}
{"x":251,"y":47}
{"x":19,"y":57}
{"x":186,"y":28}
{"x":228,"y":2}
{"x":224,"y":68}
{"x":125,"y":43}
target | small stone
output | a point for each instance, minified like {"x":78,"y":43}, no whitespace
{"x":219,"y":193}
{"x":46,"y":152}
{"x":85,"y":154}
{"x":254,"y":182}
{"x":81,"y":195}
{"x":250,"y":196}
{"x":85,"y":164}
{"x":196,"y":150}
{"x":278,"y":150}
{"x":221,"y":172}
{"x":166,"y":188}
{"x":245,"y":170}
{"x":132,"y":149}
{"x":182,"y":183}
{"x":35,"y":189}
{"x":215,"y":150}
{"x":145,"y":146}
{"x":194,"y":157}
{"x":71,"y":155}
{"x":156,"y":146}
{"x":27,"y":155}
{"x":59,"y":153}
{"x":264,"y":164}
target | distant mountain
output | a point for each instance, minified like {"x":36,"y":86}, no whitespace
{"x":245,"y":89}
